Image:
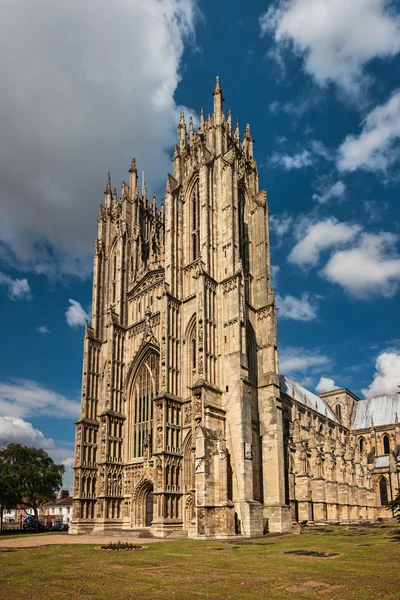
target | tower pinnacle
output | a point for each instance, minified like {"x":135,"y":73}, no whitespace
{"x":218,"y":100}
{"x":182,"y":131}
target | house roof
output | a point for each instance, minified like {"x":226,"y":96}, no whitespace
{"x":305,"y":397}
{"x":59,"y":503}
{"x":382,"y":410}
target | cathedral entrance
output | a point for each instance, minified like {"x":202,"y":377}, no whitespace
{"x":142,"y":504}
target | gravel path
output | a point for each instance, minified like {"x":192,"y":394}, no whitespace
{"x":50,"y":540}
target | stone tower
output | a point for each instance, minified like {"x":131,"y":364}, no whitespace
{"x":181,"y":422}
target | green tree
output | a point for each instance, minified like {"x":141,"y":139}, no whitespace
{"x":31,"y":477}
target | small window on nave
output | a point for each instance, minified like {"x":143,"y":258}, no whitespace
{"x":338,"y":411}
{"x":386,"y":444}
{"x":383,"y":491}
{"x":362,"y":444}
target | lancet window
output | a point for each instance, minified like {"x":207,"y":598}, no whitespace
{"x":383,"y":491}
{"x":145,"y":389}
{"x":195,"y":222}
{"x":386,"y":444}
{"x":243,"y":244}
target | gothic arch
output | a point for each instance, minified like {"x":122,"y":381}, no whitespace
{"x":251,"y":350}
{"x":141,"y":385}
{"x":188,"y":463}
{"x":383,"y":491}
{"x":190,"y":350}
{"x":386,"y":444}
{"x":191,"y":195}
{"x":142,"y":513}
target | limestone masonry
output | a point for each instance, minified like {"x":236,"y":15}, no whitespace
{"x":186,"y":423}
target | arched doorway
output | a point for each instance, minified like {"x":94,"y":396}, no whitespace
{"x":143,"y":504}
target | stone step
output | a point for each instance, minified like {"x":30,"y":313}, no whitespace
{"x":178,"y":535}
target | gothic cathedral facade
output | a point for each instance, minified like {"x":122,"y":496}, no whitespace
{"x":185,"y":422}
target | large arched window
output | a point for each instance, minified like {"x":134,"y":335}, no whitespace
{"x":145,"y":388}
{"x":386,"y":444}
{"x":195,"y":222}
{"x":383,"y":491}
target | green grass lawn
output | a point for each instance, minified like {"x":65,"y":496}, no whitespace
{"x":366,"y":567}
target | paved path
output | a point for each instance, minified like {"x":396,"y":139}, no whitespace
{"x":48,"y":540}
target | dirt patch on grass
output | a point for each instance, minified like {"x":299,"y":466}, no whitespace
{"x":312,"y":586}
{"x":312,"y":553}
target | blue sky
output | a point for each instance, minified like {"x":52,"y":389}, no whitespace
{"x":87,"y":88}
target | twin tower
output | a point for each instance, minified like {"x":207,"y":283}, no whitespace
{"x":181,"y":422}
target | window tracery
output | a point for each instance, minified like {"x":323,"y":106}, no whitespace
{"x":145,"y":389}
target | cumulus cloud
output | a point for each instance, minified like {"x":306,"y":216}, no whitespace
{"x":315,"y":237}
{"x":87,"y":86}
{"x":17,"y":289}
{"x":23,"y":398}
{"x":297,"y":161}
{"x":16,"y":430}
{"x":386,"y":377}
{"x":324,"y":35}
{"x":368,"y":269}
{"x":75,"y":314}
{"x":43,"y":329}
{"x":326,"y":384}
{"x":335,"y":191}
{"x":298,"y":309}
{"x":279,"y":225}
{"x":376,"y":148}
{"x":295,"y":360}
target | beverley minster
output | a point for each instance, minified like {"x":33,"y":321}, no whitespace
{"x":187,"y":426}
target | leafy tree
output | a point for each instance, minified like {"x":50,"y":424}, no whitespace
{"x":30,"y":477}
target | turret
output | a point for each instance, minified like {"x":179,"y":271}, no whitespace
{"x":182,"y":132}
{"x":133,"y":179}
{"x":218,"y":100}
{"x":107,"y":193}
{"x":248,"y":143}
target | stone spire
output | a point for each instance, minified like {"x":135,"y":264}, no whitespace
{"x":182,"y":132}
{"x":133,"y":178}
{"x":201,"y":118}
{"x":107,"y":192}
{"x":218,"y":100}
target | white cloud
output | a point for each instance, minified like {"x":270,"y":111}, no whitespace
{"x":75,"y":315}
{"x":298,"y":309}
{"x":368,"y":269}
{"x":16,"y":430}
{"x":314,"y":238}
{"x":386,"y":377}
{"x":280,"y":225}
{"x":23,"y":398}
{"x":300,"y":160}
{"x":375,"y":148}
{"x":299,"y":360}
{"x":17,"y":289}
{"x":87,"y":86}
{"x":43,"y":329}
{"x":337,"y":191}
{"x":326,"y":384}
{"x":335,"y":38}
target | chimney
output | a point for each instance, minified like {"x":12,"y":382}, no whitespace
{"x":64,"y":494}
